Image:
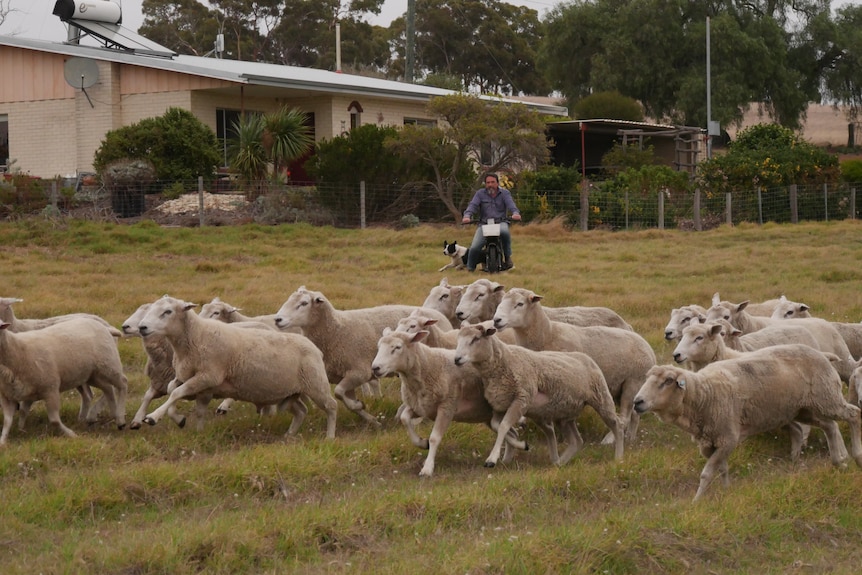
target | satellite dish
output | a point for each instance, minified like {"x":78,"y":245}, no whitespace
{"x":81,"y":73}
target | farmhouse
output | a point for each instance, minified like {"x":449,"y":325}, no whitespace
{"x":59,"y":99}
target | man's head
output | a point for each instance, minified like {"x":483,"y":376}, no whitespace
{"x":492,"y":182}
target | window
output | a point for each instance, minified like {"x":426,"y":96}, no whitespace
{"x":420,"y":122}
{"x":4,"y":142}
{"x":355,"y":109}
{"x":225,"y":120}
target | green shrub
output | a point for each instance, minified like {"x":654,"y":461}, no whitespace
{"x":180,"y":146}
{"x":548,"y":191}
{"x":851,"y":171}
{"x":609,"y":105}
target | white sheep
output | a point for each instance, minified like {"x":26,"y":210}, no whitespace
{"x":786,"y":309}
{"x":19,"y":325}
{"x":545,"y":386}
{"x":224,"y":312}
{"x":623,"y":356}
{"x":347,"y":338}
{"x":728,"y":401}
{"x":40,"y":364}
{"x":827,"y":336}
{"x":481,"y":298}
{"x":445,"y":299}
{"x":214,"y":359}
{"x":432,"y":387}
{"x":682,"y":317}
{"x":418,"y":321}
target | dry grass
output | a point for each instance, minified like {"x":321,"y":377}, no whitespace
{"x":239,"y":498}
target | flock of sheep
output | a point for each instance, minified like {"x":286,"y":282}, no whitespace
{"x":746,"y":368}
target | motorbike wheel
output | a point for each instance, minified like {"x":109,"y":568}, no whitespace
{"x":493,"y":259}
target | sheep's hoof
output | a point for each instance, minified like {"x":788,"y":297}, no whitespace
{"x":526,"y":446}
{"x":425,"y":445}
{"x":135,"y":425}
{"x":149,"y":420}
{"x":221,"y":412}
{"x":182,"y":423}
{"x":121,"y":426}
{"x":490,"y":464}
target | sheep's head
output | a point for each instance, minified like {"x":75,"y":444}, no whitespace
{"x":515,"y":308}
{"x":473,"y":345}
{"x":663,"y":391}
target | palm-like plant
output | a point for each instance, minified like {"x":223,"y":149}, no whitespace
{"x":273,"y":139}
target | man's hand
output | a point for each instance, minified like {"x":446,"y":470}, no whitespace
{"x":516,"y":217}
{"x":465,"y":220}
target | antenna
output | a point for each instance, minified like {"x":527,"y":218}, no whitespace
{"x":81,"y":73}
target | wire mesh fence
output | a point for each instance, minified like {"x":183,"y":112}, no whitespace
{"x":594,"y":206}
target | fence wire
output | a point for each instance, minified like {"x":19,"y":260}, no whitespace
{"x":361,"y":205}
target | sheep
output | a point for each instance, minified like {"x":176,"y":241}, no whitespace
{"x":159,"y":367}
{"x":224,"y":312}
{"x":786,"y":309}
{"x":445,"y":299}
{"x":827,"y":336}
{"x":728,"y":401}
{"x":40,"y":364}
{"x":481,"y":298}
{"x":418,"y":321}
{"x":545,"y":386}
{"x":682,"y":317}
{"x":623,"y":356}
{"x":347,"y":338}
{"x":18,"y":325}
{"x":214,"y":359}
{"x":432,"y":387}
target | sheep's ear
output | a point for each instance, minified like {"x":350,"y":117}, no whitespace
{"x":536,"y":298}
{"x":319,"y":299}
{"x":497,"y":287}
{"x":188,"y":305}
{"x":715,"y":299}
{"x":735,"y":332}
{"x":455,"y":290}
{"x":715,"y":329}
{"x":803,"y":307}
{"x":782,"y":299}
{"x":419,"y":336}
{"x":428,"y":322}
{"x":680,"y":383}
{"x":488,"y":331}
{"x":444,"y":282}
{"x":386,"y":331}
{"x":4,"y":325}
{"x":741,"y":306}
{"x":700,"y":318}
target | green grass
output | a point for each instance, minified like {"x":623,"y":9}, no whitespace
{"x":238,"y":497}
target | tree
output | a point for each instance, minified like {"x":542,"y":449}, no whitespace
{"x":609,"y":105}
{"x":186,"y":26}
{"x":841,"y":54}
{"x":655,"y":51}
{"x":268,"y":140}
{"x":473,"y":134}
{"x":180,"y":146}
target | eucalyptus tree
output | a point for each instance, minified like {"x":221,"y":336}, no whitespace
{"x":655,"y":51}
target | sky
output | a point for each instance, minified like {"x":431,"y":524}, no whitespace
{"x":34,"y":18}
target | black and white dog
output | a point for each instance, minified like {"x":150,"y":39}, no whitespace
{"x":457,"y":253}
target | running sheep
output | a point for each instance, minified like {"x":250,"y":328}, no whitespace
{"x":545,"y":386}
{"x":347,"y":338}
{"x":623,"y":356}
{"x":729,"y":401}
{"x":40,"y":364}
{"x":214,"y":359}
{"x":432,"y":387}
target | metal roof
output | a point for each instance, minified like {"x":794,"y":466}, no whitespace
{"x":307,"y":80}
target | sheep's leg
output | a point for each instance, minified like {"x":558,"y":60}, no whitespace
{"x":854,"y":421}
{"x":86,"y":399}
{"x":574,"y":440}
{"x":322,"y":398}
{"x":346,"y":392}
{"x":510,"y":419}
{"x":52,"y":406}
{"x":371,"y":388}
{"x":794,"y":428}
{"x":512,"y":438}
{"x":224,"y":406}
{"x":716,"y":464}
{"x":547,"y":428}
{"x":408,"y":417}
{"x":23,"y":409}
{"x":149,"y":395}
{"x":445,"y":414}
{"x":834,"y":441}
{"x":295,"y":406}
{"x":193,"y":387}
{"x":604,"y":406}
{"x":9,"y":408}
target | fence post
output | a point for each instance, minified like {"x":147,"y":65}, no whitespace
{"x":759,"y":206}
{"x":853,"y":203}
{"x":54,"y":196}
{"x":585,"y":206}
{"x":727,"y":212}
{"x":627,"y":209}
{"x":698,"y":225}
{"x":201,"y":217}
{"x":362,"y":204}
{"x":794,"y":208}
{"x":826,"y":201}
{"x":660,"y":210}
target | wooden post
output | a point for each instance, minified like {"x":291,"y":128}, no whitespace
{"x":362,"y":204}
{"x":794,"y":207}
{"x":201,"y":217}
{"x":585,"y":206}
{"x":660,"y":210}
{"x":853,"y":203}
{"x":727,"y":212}
{"x":698,"y":224}
{"x":759,"y":206}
